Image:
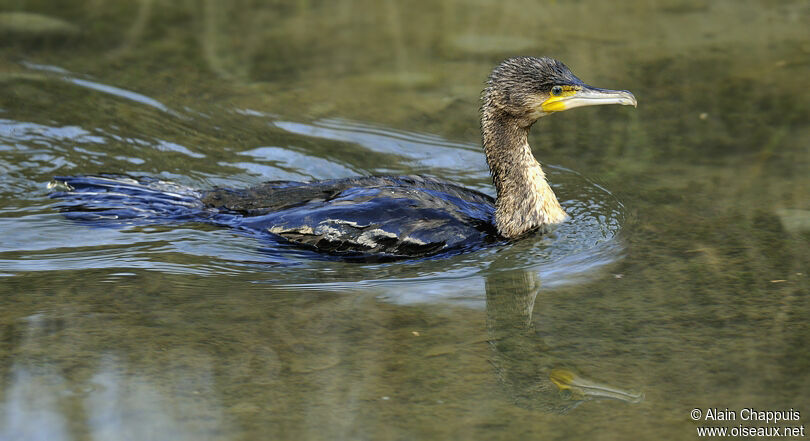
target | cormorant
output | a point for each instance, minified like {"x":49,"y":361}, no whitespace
{"x":385,"y":217}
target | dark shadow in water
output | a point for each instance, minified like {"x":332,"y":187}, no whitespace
{"x":530,"y":374}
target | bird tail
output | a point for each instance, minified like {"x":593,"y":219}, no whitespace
{"x":119,"y":199}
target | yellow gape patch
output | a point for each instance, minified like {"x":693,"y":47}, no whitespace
{"x":556,"y":103}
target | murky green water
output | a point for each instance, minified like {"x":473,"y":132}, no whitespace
{"x":684,"y":277}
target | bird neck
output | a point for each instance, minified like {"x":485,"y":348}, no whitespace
{"x":524,"y":200}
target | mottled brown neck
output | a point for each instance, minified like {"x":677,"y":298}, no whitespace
{"x":524,"y":201}
{"x":505,"y":146}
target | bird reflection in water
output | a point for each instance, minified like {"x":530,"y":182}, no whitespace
{"x":525,"y":366}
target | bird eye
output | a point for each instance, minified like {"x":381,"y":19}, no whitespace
{"x":556,"y":90}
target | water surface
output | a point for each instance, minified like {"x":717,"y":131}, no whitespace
{"x":682,"y":277}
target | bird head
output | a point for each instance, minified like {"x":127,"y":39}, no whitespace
{"x":528,"y":88}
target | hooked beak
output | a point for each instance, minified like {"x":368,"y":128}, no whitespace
{"x":587,"y":96}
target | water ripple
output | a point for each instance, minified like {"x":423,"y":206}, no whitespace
{"x":36,"y":238}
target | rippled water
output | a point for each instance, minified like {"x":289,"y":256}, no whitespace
{"x":680,"y":281}
{"x":583,"y":243}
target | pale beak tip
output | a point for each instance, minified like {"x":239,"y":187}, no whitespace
{"x":630,"y":99}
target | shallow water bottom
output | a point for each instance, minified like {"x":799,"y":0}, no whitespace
{"x":697,"y":298}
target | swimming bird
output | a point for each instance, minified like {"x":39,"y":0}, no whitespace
{"x":389,"y":217}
